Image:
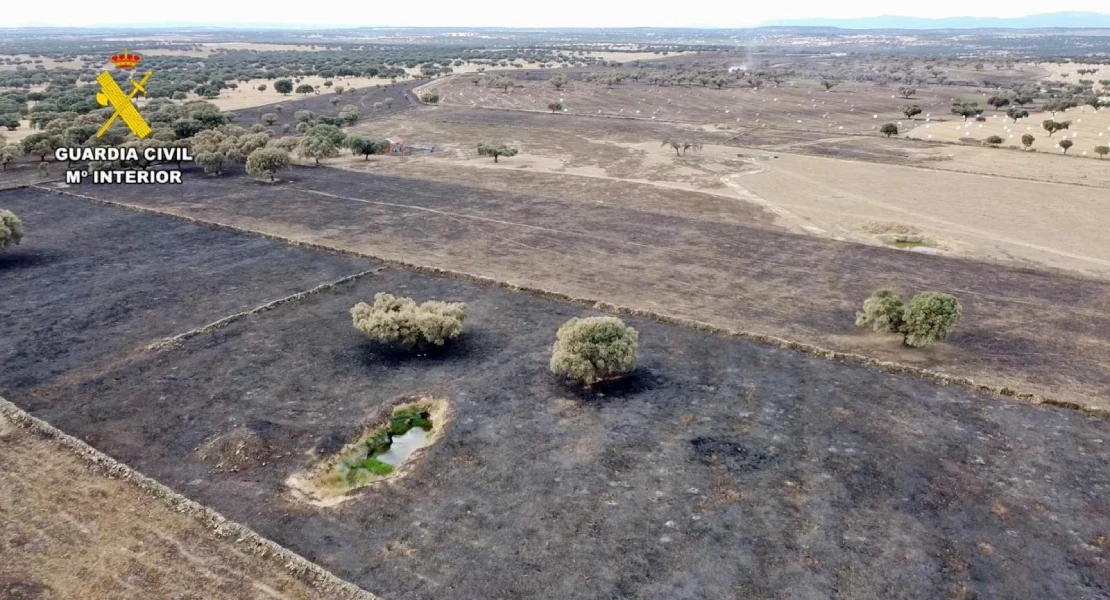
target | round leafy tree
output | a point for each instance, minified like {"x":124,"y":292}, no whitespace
{"x":882,"y":312}
{"x":267,"y":161}
{"x":11,"y":229}
{"x":594,"y":349}
{"x":929,"y":318}
{"x":399,"y":320}
{"x":496,"y":150}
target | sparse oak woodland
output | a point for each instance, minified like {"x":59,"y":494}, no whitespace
{"x":594,"y":349}
{"x":11,"y":229}
{"x":399,"y":320}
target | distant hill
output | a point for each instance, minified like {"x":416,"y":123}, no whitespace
{"x":1084,"y":20}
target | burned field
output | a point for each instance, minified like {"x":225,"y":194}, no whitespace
{"x":721,"y":469}
{"x":394,"y":97}
{"x":121,"y":280}
{"x":1031,"y":330}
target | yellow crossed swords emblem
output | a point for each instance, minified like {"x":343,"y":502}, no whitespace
{"x":111,"y":94}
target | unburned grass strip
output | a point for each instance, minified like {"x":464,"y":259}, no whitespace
{"x":240,"y":535}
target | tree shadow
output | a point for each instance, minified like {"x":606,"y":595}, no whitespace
{"x":371,"y":354}
{"x":12,"y":259}
{"x":639,"y":381}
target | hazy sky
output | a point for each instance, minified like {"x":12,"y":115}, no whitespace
{"x":475,"y":13}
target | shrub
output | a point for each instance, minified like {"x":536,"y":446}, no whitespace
{"x":889,"y":129}
{"x":594,"y":349}
{"x":401,"y":321}
{"x":930,"y":318}
{"x":11,"y":229}
{"x":882,"y":312}
{"x":1027,"y":140}
{"x":994,"y":140}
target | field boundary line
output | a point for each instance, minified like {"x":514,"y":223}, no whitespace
{"x":242,"y":536}
{"x":933,"y":376}
{"x":175,"y":341}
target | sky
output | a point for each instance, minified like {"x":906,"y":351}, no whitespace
{"x":500,"y":13}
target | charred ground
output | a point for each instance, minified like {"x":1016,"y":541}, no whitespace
{"x":724,"y":469}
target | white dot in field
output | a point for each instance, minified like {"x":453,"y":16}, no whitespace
{"x":841,"y":127}
{"x":930,"y":136}
{"x":1084,"y":153}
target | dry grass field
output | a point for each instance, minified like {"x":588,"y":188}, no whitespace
{"x":1089,"y":128}
{"x":798,"y":105}
{"x":829,"y":197}
{"x":248,"y":96}
{"x":71,"y":532}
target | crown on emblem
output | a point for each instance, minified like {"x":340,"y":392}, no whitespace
{"x":126,"y":60}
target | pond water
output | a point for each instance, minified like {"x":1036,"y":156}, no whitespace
{"x":403,"y":446}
